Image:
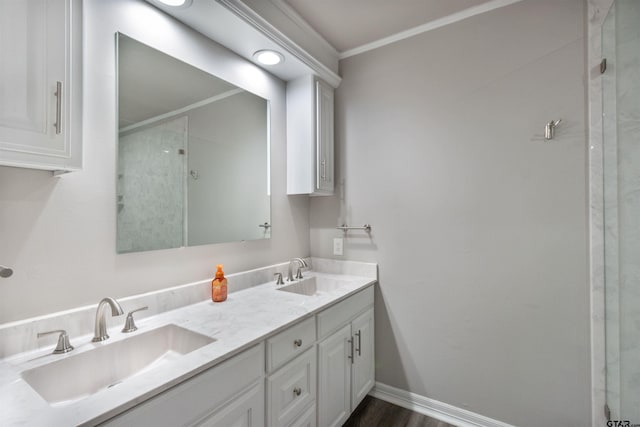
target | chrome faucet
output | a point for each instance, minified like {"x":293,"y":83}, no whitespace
{"x":101,"y":321}
{"x":301,"y":264}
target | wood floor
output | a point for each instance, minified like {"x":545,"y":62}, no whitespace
{"x":374,"y":412}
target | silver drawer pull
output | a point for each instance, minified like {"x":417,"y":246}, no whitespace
{"x":351,"y":344}
{"x":297,"y":391}
{"x":298,"y":342}
{"x":58,"y":95}
{"x":359,"y":348}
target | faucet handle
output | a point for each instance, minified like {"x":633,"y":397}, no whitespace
{"x":129,"y":324}
{"x":299,"y":273}
{"x":278,"y":277}
{"x":63,"y":346}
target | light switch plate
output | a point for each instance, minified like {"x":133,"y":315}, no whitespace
{"x":338,"y":243}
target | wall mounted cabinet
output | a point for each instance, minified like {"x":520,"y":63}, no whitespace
{"x":310,"y":133}
{"x":40,"y":84}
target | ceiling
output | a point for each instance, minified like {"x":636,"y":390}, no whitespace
{"x":347,"y":24}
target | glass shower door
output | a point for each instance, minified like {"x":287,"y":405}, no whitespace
{"x":621,"y":133}
{"x":151,"y":187}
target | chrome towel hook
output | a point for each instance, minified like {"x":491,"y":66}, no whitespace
{"x":549,"y":129}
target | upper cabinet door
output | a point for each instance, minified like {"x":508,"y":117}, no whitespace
{"x":325,"y":132}
{"x":40,"y":82}
{"x":310,"y":137}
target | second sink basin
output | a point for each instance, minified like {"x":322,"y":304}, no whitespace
{"x":314,"y":286}
{"x":78,"y":376}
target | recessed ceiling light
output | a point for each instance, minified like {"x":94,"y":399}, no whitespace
{"x":268,"y":57}
{"x":175,"y":3}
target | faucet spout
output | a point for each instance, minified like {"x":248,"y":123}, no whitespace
{"x":101,"y":321}
{"x":301,"y":264}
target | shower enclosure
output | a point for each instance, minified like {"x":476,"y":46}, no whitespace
{"x":621,"y":192}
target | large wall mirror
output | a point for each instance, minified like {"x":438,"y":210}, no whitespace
{"x":193,"y":155}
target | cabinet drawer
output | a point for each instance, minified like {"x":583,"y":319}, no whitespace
{"x":308,"y":419}
{"x":291,"y":389}
{"x":334,"y":317}
{"x":199,"y":396}
{"x":289,"y":343}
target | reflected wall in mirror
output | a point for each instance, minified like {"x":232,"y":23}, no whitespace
{"x":193,"y":155}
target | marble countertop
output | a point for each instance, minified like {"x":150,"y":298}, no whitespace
{"x":246,"y":318}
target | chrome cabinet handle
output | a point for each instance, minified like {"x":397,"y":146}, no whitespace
{"x":129,"y":324}
{"x":297,"y":391}
{"x":324,"y":169}
{"x":359,"y":349}
{"x":298,"y":342}
{"x":58,"y":95}
{"x":63,"y":346}
{"x":351,"y":356}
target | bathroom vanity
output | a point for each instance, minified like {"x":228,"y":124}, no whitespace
{"x":298,"y":354}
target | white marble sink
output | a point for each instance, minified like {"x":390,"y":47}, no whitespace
{"x":107,"y":365}
{"x":315,"y":286}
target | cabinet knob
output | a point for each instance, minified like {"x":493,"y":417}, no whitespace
{"x":298,"y":342}
{"x":297,"y":391}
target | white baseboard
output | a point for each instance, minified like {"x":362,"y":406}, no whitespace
{"x":433,"y":408}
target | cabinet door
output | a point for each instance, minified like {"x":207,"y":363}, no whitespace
{"x":334,"y":378}
{"x":245,"y":411}
{"x":36,"y":50}
{"x":324,"y":137}
{"x":363,"y":370}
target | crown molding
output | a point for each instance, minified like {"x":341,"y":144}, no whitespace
{"x":248,"y":15}
{"x":432,"y":25}
{"x":302,"y":23}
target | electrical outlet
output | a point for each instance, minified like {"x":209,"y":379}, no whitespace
{"x":338,"y":245}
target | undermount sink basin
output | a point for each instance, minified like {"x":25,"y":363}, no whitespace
{"x":314,"y":286}
{"x":84,"y":374}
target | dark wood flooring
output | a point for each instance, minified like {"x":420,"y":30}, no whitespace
{"x":374,"y":412}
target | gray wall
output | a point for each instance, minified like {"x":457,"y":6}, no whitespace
{"x":479,"y":225}
{"x":59,"y":233}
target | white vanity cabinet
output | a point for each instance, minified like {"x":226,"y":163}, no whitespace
{"x":313,"y":373}
{"x":291,"y":388}
{"x":310,"y":133}
{"x":229,"y":394}
{"x":346,"y":371}
{"x":40,"y":84}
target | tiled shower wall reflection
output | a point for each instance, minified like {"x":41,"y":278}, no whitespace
{"x":151,"y":187}
{"x":621,"y":106}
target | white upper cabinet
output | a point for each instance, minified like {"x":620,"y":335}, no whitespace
{"x":40,"y":84}
{"x":310,"y":131}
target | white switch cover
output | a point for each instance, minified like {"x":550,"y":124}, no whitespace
{"x":337,"y":245}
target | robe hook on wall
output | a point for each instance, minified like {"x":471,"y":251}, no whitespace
{"x":550,"y":128}
{"x":5,"y":271}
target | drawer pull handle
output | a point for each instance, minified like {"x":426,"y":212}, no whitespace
{"x":359,"y":348}
{"x":351,"y":344}
{"x":297,"y":391}
{"x":58,"y":95}
{"x":298,"y":342}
